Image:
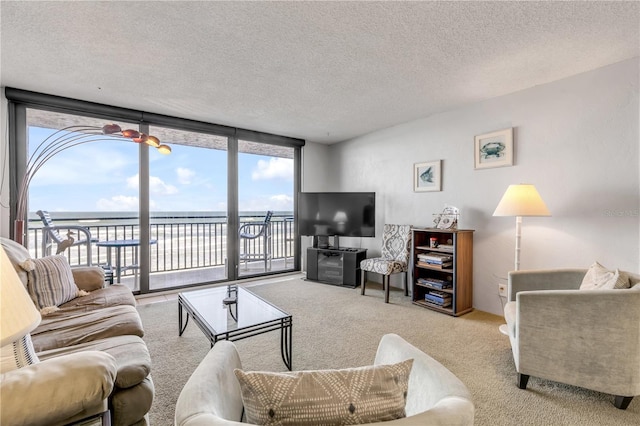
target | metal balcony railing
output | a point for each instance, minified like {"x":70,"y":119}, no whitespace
{"x":184,"y":242}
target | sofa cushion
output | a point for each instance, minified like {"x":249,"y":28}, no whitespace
{"x":76,"y":328}
{"x":113,"y":295}
{"x":50,"y":281}
{"x":350,"y":396}
{"x":600,"y":278}
{"x":130,"y":352}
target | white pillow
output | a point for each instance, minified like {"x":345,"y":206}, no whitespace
{"x":50,"y":282}
{"x":600,"y":278}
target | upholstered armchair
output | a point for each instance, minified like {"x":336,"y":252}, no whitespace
{"x":396,"y":249}
{"x":435,"y":396}
{"x":585,"y":338}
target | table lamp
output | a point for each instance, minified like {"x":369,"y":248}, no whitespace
{"x":521,"y":200}
{"x":18,"y":317}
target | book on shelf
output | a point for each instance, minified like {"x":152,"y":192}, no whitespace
{"x":435,"y":257}
{"x":436,"y":265}
{"x":435,"y":282}
{"x":436,"y":300}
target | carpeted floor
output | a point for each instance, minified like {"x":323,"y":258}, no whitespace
{"x":336,"y":327}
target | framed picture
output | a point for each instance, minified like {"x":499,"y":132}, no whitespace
{"x":427,"y":176}
{"x":494,"y":149}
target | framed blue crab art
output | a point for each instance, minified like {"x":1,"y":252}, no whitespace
{"x":427,"y":176}
{"x":494,"y":149}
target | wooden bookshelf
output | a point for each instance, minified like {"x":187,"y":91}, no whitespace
{"x":457,"y":243}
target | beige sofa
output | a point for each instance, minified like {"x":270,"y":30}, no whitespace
{"x":105,"y":320}
{"x":435,"y":396}
{"x":585,"y":338}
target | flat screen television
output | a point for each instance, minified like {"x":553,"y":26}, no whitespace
{"x":346,"y":214}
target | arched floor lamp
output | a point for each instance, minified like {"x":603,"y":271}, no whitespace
{"x":62,"y":140}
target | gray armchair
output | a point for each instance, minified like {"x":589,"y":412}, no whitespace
{"x":585,"y":338}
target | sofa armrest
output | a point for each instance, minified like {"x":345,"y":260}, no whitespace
{"x":88,"y":278}
{"x":58,"y":390}
{"x":544,"y":279}
{"x":585,"y":338}
{"x":212,"y":394}
{"x":434,"y":391}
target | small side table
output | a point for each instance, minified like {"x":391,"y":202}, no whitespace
{"x":108,"y":273}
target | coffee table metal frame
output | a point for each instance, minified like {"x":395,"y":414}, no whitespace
{"x":284,"y":324}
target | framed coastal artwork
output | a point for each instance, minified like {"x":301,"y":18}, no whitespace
{"x":494,"y":149}
{"x":427,"y":176}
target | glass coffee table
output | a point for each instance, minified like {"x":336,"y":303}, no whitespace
{"x":234,"y":313}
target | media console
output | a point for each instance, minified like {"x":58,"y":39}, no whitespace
{"x":337,"y":266}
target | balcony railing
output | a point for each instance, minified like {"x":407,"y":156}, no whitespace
{"x":184,"y":242}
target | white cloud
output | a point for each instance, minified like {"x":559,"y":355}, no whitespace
{"x":279,"y":202}
{"x":275,"y":168}
{"x":185,"y":175}
{"x":118,"y":203}
{"x":156,"y":185}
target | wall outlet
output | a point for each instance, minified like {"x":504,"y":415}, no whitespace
{"x":502,"y":290}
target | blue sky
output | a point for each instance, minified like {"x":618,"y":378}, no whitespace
{"x":103,"y":176}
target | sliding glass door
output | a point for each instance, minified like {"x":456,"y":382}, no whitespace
{"x":84,"y":187}
{"x":188,"y":209}
{"x":265,"y":187}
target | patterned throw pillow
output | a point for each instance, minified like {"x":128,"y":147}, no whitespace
{"x":50,"y":282}
{"x":340,"y":397}
{"x":600,"y":278}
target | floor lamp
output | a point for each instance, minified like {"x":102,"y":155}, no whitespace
{"x":520,"y":200}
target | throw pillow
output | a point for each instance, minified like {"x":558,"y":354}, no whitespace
{"x":600,"y":278}
{"x":341,"y":397}
{"x":50,"y":282}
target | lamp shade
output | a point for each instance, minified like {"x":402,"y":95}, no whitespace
{"x":18,"y":314}
{"x":521,"y":200}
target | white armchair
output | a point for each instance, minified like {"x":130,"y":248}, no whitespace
{"x":589,"y":339}
{"x":435,"y":396}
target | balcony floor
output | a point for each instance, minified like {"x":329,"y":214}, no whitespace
{"x":159,"y":281}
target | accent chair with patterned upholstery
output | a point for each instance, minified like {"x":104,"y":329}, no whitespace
{"x":396,"y":249}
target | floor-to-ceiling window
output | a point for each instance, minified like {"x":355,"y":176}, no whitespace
{"x":184,"y":210}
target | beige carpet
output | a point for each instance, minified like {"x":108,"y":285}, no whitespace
{"x":336,"y":327}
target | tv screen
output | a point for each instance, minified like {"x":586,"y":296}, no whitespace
{"x":347,"y":214}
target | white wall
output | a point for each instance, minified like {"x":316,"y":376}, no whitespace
{"x":576,"y":139}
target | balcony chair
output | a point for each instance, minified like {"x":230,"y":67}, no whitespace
{"x":251,"y":232}
{"x":51,"y":234}
{"x":396,"y":248}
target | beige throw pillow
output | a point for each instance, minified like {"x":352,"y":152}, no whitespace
{"x":326,"y":397}
{"x":50,"y":282}
{"x":600,"y":278}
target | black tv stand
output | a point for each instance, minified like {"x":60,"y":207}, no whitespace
{"x":337,"y":266}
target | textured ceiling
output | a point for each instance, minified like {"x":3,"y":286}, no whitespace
{"x":320,"y":71}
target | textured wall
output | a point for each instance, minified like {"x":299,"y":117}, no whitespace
{"x":576,"y":139}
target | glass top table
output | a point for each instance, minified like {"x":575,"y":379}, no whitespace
{"x":234,"y":313}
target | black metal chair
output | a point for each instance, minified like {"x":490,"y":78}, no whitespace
{"x":51,"y":234}
{"x":249,"y":233}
